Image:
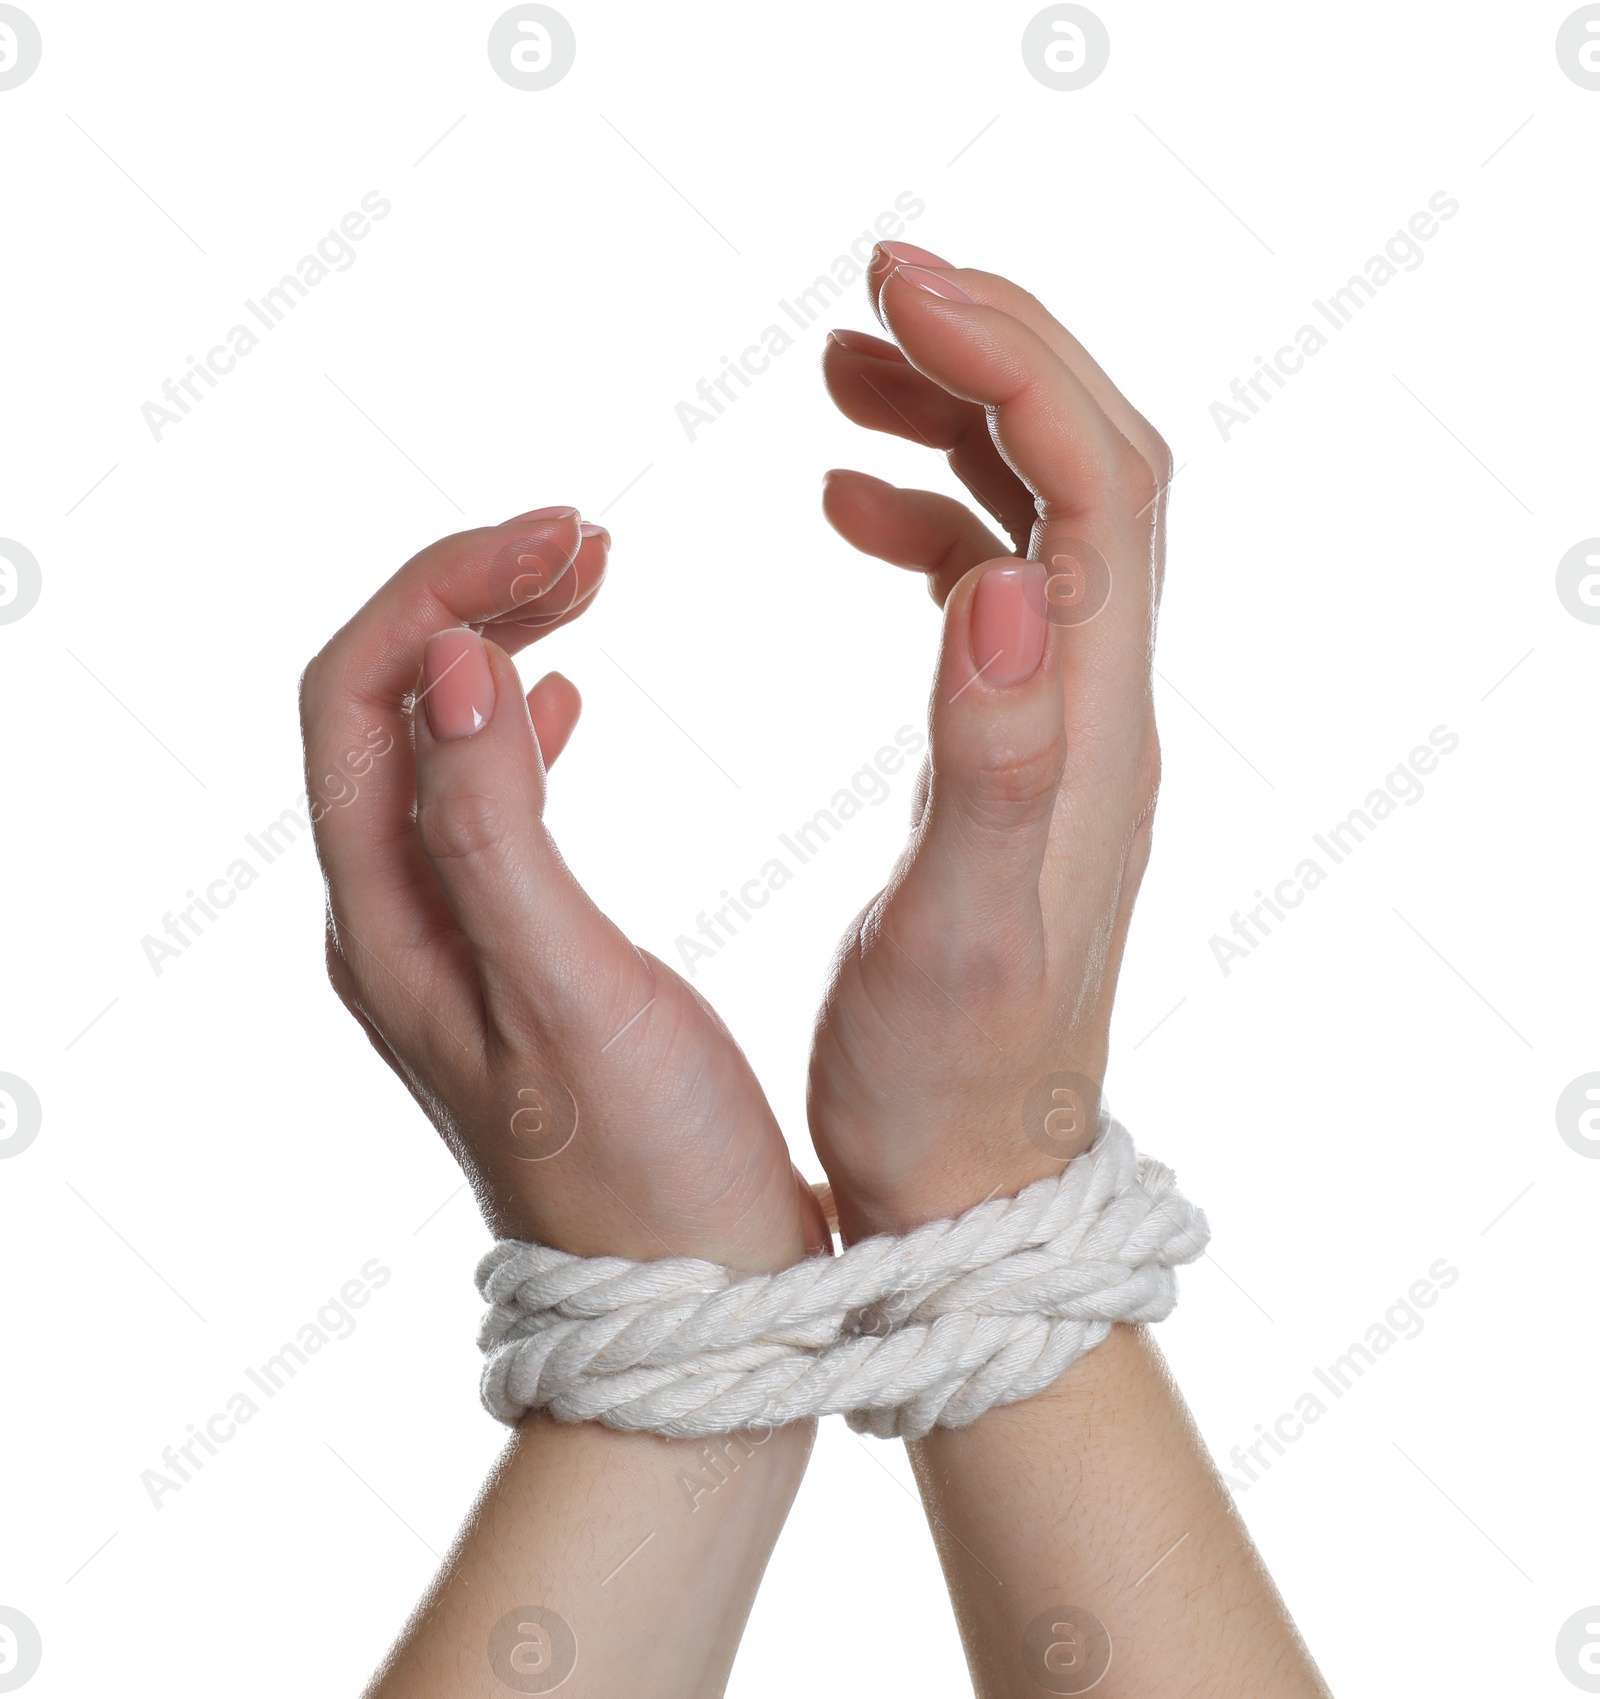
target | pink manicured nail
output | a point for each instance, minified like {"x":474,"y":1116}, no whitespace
{"x":543,"y":513}
{"x":908,"y":253}
{"x":588,"y":530}
{"x":457,"y":685}
{"x":1007,"y":631}
{"x":932,"y":283}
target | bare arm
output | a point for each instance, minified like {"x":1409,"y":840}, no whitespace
{"x":1086,"y":1539}
{"x":604,"y":1563}
{"x":1088,"y":1543}
{"x":596,"y":1103}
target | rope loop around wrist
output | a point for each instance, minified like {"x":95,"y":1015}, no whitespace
{"x":899,"y":1334}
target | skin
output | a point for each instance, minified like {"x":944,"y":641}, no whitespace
{"x":482,"y":973}
{"x":530,"y":1031}
{"x":989,"y":962}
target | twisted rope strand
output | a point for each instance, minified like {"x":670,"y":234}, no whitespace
{"x":898,"y":1334}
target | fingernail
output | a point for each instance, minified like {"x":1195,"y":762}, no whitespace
{"x":858,"y":342}
{"x":932,"y":283}
{"x":543,"y":513}
{"x":908,"y":253}
{"x":457,"y":685}
{"x":1007,"y":631}
{"x":849,"y":472}
{"x":588,"y":530}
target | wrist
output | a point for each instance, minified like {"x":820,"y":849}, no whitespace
{"x":933,"y":1192}
{"x":617,"y":1215}
{"x":931,"y":1157}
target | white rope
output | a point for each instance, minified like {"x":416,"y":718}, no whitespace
{"x":930,"y":1329}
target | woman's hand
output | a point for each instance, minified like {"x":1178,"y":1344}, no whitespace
{"x":964,"y":1033}
{"x":595,"y":1101}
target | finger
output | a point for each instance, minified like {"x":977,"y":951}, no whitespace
{"x":518,"y":633}
{"x":969,"y":905}
{"x":360,"y":770}
{"x":859,"y":342}
{"x":991,"y":290}
{"x":470,"y":578}
{"x":560,"y":601}
{"x":1001,"y":292}
{"x":885,"y":257}
{"x":885,"y":393}
{"x":1085,"y":476}
{"x":921,"y":529}
{"x":995,"y":291}
{"x":480,"y":803}
{"x":554,"y":706}
{"x":1046,"y":424}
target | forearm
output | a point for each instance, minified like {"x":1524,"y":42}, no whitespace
{"x":1098,"y":1497}
{"x":650,"y":1551}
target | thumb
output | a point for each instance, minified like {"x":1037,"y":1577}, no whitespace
{"x":998,"y":750}
{"x":535,"y":937}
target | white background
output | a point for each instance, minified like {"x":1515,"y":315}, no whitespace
{"x":1372,"y":1089}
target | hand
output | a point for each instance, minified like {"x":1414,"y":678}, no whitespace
{"x":594,"y":1100}
{"x":988,"y":963}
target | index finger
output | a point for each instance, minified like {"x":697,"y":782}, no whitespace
{"x":1092,"y":491}
{"x":1001,"y":292}
{"x":354,"y":703}
{"x":995,"y":291}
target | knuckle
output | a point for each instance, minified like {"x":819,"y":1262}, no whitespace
{"x":1012,"y":780}
{"x":1133,"y":475}
{"x":323,"y":682}
{"x":340,"y":975}
{"x":462,"y":825}
{"x":313,"y":688}
{"x":346,"y":982}
{"x":988,"y":961}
